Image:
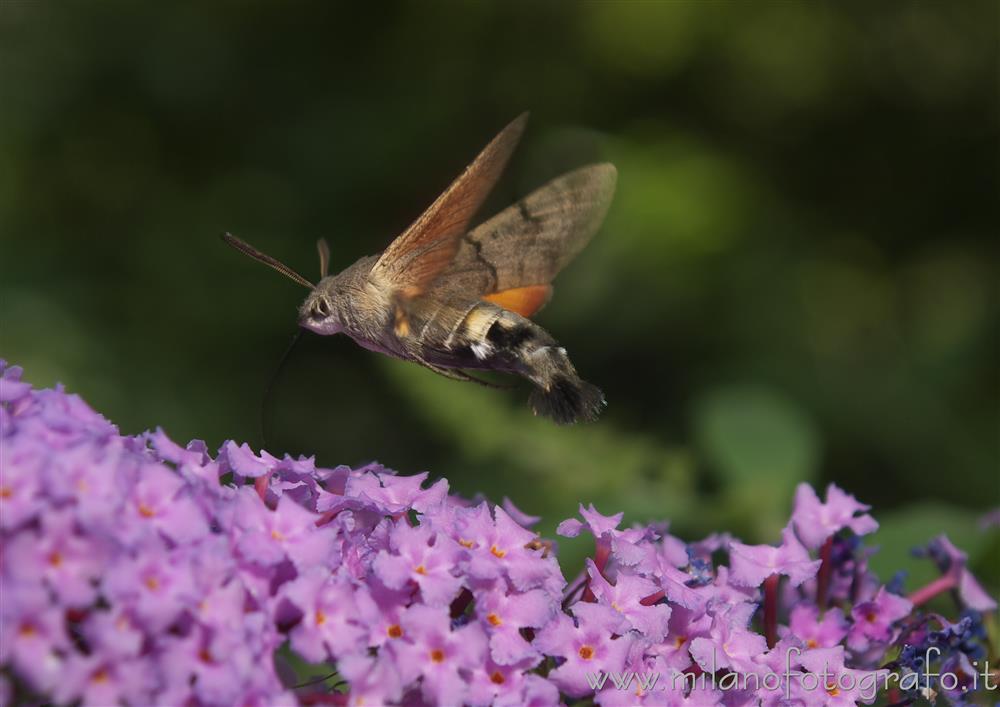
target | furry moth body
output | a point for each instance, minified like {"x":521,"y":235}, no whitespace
{"x":455,"y":299}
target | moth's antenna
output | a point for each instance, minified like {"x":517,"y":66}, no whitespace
{"x":248,"y":249}
{"x":270,"y":384}
{"x":324,"y":257}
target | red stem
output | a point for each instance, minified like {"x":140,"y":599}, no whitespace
{"x":571,"y":594}
{"x":327,"y":517}
{"x":938,"y":586}
{"x":823,"y":581}
{"x":260,"y":485}
{"x":652,"y":598}
{"x":601,"y":555}
{"x":771,"y":609}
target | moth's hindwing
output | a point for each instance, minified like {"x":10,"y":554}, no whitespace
{"x":527,"y":244}
{"x":522,"y":300}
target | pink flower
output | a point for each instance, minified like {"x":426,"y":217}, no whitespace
{"x":421,"y":556}
{"x":438,"y":654}
{"x":625,"y":597}
{"x":330,"y":626}
{"x":806,"y":624}
{"x":129,"y":572}
{"x":752,"y":564}
{"x":587,"y":644}
{"x":815,"y":522}
{"x":874,"y":620}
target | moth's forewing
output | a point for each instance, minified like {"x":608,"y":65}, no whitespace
{"x":428,"y":246}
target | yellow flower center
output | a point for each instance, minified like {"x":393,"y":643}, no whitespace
{"x":497,"y":678}
{"x":586,"y":652}
{"x":493,"y":619}
{"x":394,"y":631}
{"x":497,"y":551}
{"x":146,"y":511}
{"x":437,"y":655}
{"x":420,"y":569}
{"x":320,"y":617}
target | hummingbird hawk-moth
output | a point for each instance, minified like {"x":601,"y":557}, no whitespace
{"x":455,"y":299}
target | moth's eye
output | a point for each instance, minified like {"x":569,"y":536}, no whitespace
{"x":321,"y":309}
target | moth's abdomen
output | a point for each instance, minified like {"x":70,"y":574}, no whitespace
{"x":560,"y":393}
{"x":497,"y":337}
{"x":568,"y":399}
{"x":504,"y":340}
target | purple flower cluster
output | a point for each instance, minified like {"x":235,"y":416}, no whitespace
{"x":136,"y":571}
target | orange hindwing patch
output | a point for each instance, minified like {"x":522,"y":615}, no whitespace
{"x":522,"y":300}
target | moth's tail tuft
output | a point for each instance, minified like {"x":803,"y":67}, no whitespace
{"x":568,"y":400}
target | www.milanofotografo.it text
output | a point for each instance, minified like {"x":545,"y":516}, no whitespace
{"x":868,"y":685}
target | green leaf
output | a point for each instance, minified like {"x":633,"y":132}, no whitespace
{"x":752,"y":434}
{"x":760,"y":445}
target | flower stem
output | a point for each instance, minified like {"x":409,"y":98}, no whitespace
{"x":260,"y":485}
{"x":327,"y":517}
{"x":928,"y":592}
{"x":571,"y":594}
{"x":602,"y":552}
{"x":652,"y":598}
{"x":823,"y":581}
{"x":771,"y":609}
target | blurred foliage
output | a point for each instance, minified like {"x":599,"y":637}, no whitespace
{"x":797,"y":280}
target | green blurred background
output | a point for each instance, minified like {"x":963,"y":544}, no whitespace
{"x":797,"y":279}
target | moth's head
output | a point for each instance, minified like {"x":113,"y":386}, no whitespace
{"x":320,"y":311}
